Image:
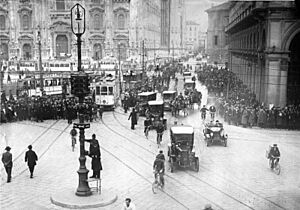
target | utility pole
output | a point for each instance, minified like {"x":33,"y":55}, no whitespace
{"x":173,"y":52}
{"x":154,"y":55}
{"x":143,"y":58}
{"x":119,"y":50}
{"x":40,"y":62}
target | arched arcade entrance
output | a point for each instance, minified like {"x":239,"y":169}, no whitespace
{"x":293,"y":80}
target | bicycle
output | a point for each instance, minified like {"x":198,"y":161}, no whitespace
{"x":147,"y":129}
{"x":73,"y":143}
{"x":276,"y":168}
{"x":212,"y":116}
{"x":203,"y":115}
{"x":159,"y":138}
{"x":158,"y":182}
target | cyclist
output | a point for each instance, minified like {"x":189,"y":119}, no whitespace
{"x":212,"y":110}
{"x":160,"y":131}
{"x":203,"y":111}
{"x":147,"y":124}
{"x":159,"y":167}
{"x":274,"y":155}
{"x":73,"y":134}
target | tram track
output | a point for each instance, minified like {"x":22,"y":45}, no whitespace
{"x":241,"y":187}
{"x":42,"y":145}
{"x":149,"y":165}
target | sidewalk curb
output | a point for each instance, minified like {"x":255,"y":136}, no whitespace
{"x":68,"y":199}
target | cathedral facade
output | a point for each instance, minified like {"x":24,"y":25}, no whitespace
{"x":113,"y":27}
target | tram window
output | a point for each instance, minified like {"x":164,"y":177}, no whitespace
{"x":54,"y":82}
{"x":46,"y":83}
{"x":37,"y":83}
{"x":103,"y":90}
{"x":97,"y":90}
{"x":59,"y":81}
{"x":110,"y":91}
{"x":56,"y":65}
{"x":51,"y":65}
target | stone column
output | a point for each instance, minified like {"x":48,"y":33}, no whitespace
{"x":283,"y":83}
{"x":259,"y":78}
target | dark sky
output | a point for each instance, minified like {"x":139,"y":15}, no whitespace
{"x":195,"y":10}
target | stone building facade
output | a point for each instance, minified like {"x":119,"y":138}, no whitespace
{"x":264,"y":47}
{"x":217,"y":41}
{"x":107,"y":28}
{"x":192,"y":30}
{"x":111,"y":26}
{"x":145,"y":25}
{"x":177,"y":26}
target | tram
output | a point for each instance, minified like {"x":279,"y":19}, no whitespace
{"x":54,"y":84}
{"x":59,"y":66}
{"x":28,"y":66}
{"x":106,"y":91}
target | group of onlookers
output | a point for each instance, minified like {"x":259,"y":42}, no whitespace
{"x":240,"y":107}
{"x":44,"y":108}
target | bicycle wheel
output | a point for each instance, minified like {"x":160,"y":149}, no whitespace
{"x":277,"y":169}
{"x":270,"y":163}
{"x":154,"y":187}
{"x":147,"y":133}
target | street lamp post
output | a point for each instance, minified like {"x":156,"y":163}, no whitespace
{"x":79,"y":82}
{"x":40,"y":62}
{"x":119,"y":51}
{"x":143,"y":58}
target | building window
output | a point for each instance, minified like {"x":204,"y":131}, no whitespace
{"x":216,"y":40}
{"x":27,"y":52}
{"x":60,"y":5}
{"x":98,"y":22}
{"x":3,"y":51}
{"x":61,"y":45}
{"x":96,"y":1}
{"x":2,"y":22}
{"x":121,"y":21}
{"x":25,"y":22}
{"x":97,"y":52}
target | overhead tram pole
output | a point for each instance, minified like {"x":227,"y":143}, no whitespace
{"x":40,"y":62}
{"x":143,"y":58}
{"x":119,"y":52}
{"x":79,"y":88}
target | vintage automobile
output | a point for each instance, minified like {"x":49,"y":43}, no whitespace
{"x":156,"y":113}
{"x":214,"y":132}
{"x":189,"y":86}
{"x":168,"y":96}
{"x":143,"y":99}
{"x":181,"y":149}
{"x":187,"y":75}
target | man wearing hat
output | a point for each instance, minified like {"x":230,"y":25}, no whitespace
{"x":274,"y":155}
{"x":31,"y":158}
{"x":95,"y":154}
{"x":7,"y":162}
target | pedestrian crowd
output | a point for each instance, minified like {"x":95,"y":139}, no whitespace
{"x":45,"y":108}
{"x":240,"y":107}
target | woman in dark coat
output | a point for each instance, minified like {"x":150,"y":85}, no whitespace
{"x":133,"y":117}
{"x":31,"y":158}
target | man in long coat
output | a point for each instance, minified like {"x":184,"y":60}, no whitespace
{"x":31,"y":158}
{"x":133,"y":117}
{"x":7,"y":162}
{"x":95,"y":154}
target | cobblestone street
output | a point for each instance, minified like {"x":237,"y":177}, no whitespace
{"x":232,"y":177}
